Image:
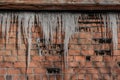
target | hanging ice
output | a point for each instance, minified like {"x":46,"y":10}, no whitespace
{"x":70,"y":22}
{"x":49,"y":21}
{"x":110,"y":20}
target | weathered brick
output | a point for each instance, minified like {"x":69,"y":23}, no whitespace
{"x":5,"y":53}
{"x":10,"y":58}
{"x":24,"y":70}
{"x":38,"y":58}
{"x":1,"y":58}
{"x":73,"y":64}
{"x":1,"y":77}
{"x":13,"y":71}
{"x":19,"y":64}
{"x":21,"y":58}
{"x":39,"y":70}
{"x":80,"y":58}
{"x":2,"y":71}
{"x":74,"y":52}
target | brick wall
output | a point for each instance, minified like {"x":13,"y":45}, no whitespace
{"x":84,"y":62}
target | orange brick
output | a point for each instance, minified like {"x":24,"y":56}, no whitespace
{"x":2,"y":71}
{"x":38,"y":58}
{"x":80,"y":58}
{"x":16,"y":77}
{"x":53,"y":58}
{"x":97,"y":58}
{"x":21,"y":58}
{"x":73,"y":64}
{"x":12,"y":41}
{"x":13,"y":71}
{"x":20,"y":52}
{"x":104,"y":70}
{"x":23,"y":46}
{"x":1,"y":58}
{"x":116,"y":52}
{"x":93,"y":70}
{"x":34,"y":64}
{"x":85,"y":35}
{"x":11,"y":46}
{"x":29,"y":70}
{"x":87,"y":52}
{"x":5,"y":53}
{"x":10,"y":58}
{"x":1,"y":77}
{"x":20,"y":64}
{"x":74,"y":52}
{"x":39,"y":70}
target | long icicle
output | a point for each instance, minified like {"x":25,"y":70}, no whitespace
{"x":114,"y":27}
{"x":69,"y":25}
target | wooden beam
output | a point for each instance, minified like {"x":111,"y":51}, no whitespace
{"x":25,"y":6}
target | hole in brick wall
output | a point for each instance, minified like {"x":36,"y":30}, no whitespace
{"x":88,"y":58}
{"x":53,"y":70}
{"x":108,"y":52}
{"x":118,"y":64}
{"x":103,"y":52}
{"x":99,"y":52}
{"x":8,"y":77}
{"x":103,"y":40}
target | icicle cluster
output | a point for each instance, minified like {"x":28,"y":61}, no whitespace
{"x":111,"y":20}
{"x":49,"y":22}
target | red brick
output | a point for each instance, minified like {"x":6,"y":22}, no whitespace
{"x":10,"y":58}
{"x":6,"y":64}
{"x":34,"y":64}
{"x":29,"y":70}
{"x":20,"y":64}
{"x":104,"y":70}
{"x":1,"y":58}
{"x":11,"y":46}
{"x":1,"y":77}
{"x":80,"y":58}
{"x":92,"y":70}
{"x":16,"y":77}
{"x":13,"y":71}
{"x":38,"y":58}
{"x":21,"y":58}
{"x":2,"y":71}
{"x":116,"y":52}
{"x":107,"y":58}
{"x":39,"y":70}
{"x":87,"y":52}
{"x":4,"y":53}
{"x":12,"y":41}
{"x":73,"y":64}
{"x":97,"y":58}
{"x":74,"y":52}
{"x":23,"y":46}
{"x":20,"y":52}
{"x":53,"y":58}
{"x":85,"y":35}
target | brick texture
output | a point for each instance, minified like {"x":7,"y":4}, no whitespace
{"x":83,"y":62}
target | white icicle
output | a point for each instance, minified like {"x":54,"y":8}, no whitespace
{"x":31,"y":23}
{"x":8,"y":27}
{"x":69,"y":25}
{"x":20,"y":17}
{"x":43,"y":18}
{"x":114,"y":27}
{"x":105,"y":26}
{"x":4,"y":19}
